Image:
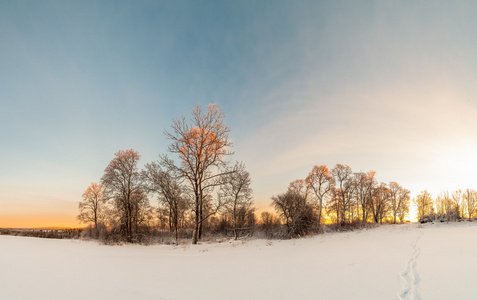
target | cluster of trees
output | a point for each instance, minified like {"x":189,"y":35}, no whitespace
{"x":340,"y":196}
{"x":199,"y":185}
{"x":447,"y":206}
{"x":199,"y":189}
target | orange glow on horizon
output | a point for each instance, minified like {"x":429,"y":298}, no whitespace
{"x":39,"y":221}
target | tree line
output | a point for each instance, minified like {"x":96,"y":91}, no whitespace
{"x":200,"y":190}
{"x":446,"y":206}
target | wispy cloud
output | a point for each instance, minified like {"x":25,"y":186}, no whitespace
{"x":387,"y":86}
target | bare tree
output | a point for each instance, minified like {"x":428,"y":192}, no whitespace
{"x":269,"y":222}
{"x":334,"y":204}
{"x":344,"y":189}
{"x":380,"y":203}
{"x":202,"y":145}
{"x":236,"y":193}
{"x":286,"y":206}
{"x":124,"y":186}
{"x":441,"y":205}
{"x":91,"y":206}
{"x":470,"y":202}
{"x":164,"y":218}
{"x":457,"y":202}
{"x":365,"y":184}
{"x":293,"y":208}
{"x":403,"y":211}
{"x":299,"y":187}
{"x":399,"y":197}
{"x":142,"y":211}
{"x":167,"y":186}
{"x":445,"y":207}
{"x":320,"y":182}
{"x":268,"y":218}
{"x":424,"y":204}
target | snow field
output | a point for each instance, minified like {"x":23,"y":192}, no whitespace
{"x":433,"y":261}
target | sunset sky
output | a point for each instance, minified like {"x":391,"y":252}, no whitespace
{"x":389,"y":86}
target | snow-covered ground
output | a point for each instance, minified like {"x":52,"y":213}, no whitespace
{"x":433,"y":261}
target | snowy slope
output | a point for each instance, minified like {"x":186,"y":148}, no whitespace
{"x":435,"y":261}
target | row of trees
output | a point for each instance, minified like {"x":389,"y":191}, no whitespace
{"x":200,"y":184}
{"x":340,"y":196}
{"x":198,"y":187}
{"x":447,"y":206}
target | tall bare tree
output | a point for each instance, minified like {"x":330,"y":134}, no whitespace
{"x":457,"y":201}
{"x":91,"y":206}
{"x":470,"y":202}
{"x":403,"y":211}
{"x":424,"y":204}
{"x":445,"y":207}
{"x":124,"y":186}
{"x":166,"y":185}
{"x":441,"y":205}
{"x":202,"y":144}
{"x":320,"y":182}
{"x":344,"y":188}
{"x":236,"y":192}
{"x":399,"y":197}
{"x":365,"y":184}
{"x":380,"y":202}
{"x":333,"y":206}
{"x":142,"y":211}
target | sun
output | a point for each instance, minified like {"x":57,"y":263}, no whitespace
{"x":457,"y":165}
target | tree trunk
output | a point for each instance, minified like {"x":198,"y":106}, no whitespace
{"x":343,"y":214}
{"x":235,"y":221}
{"x":129,"y":225}
{"x":200,"y":220}
{"x":319,"y":212}
{"x":363,"y":209}
{"x":95,"y":221}
{"x":195,"y":235}
{"x":170,"y":220}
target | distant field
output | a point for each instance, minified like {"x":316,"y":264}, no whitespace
{"x":410,"y":261}
{"x":46,"y":232}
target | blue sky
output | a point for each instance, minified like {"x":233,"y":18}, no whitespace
{"x":378,"y":85}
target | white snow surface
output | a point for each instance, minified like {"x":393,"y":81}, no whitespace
{"x":411,"y":261}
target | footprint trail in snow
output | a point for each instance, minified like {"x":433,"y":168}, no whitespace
{"x":410,"y":278}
